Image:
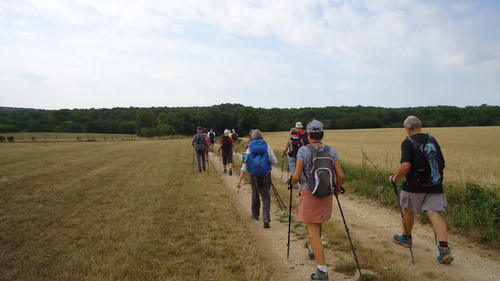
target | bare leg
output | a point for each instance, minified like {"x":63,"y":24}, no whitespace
{"x":315,"y":237}
{"x":439,"y":225}
{"x":409,"y":219}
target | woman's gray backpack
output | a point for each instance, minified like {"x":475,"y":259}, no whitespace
{"x":320,"y":178}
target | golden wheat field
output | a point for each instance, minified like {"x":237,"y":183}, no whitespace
{"x":471,"y":153}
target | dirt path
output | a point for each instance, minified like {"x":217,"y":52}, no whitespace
{"x":370,"y":223}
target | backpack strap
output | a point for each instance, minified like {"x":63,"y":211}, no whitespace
{"x":419,"y":146}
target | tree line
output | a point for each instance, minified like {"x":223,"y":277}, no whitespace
{"x":164,"y":121}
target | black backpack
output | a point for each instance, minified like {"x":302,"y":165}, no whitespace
{"x":211,"y":134}
{"x":303,"y":137}
{"x":226,"y":143}
{"x":295,"y":144}
{"x":428,"y":163}
{"x":320,"y":179}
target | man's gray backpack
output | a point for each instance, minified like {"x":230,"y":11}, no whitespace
{"x":320,"y":178}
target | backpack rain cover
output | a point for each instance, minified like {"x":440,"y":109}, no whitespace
{"x":259,"y":164}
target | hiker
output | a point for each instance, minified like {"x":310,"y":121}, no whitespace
{"x":226,"y":145}
{"x":200,"y":144}
{"x":249,"y":138}
{"x":312,"y":209}
{"x":211,"y":135}
{"x":301,"y":133}
{"x":291,"y":148}
{"x":234,"y":136}
{"x":207,"y":138}
{"x":419,"y":193}
{"x":260,"y":158}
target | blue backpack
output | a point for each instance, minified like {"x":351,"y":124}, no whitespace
{"x":259,"y":163}
{"x":427,"y":164}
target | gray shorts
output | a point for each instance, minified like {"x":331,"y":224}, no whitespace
{"x":227,"y":157}
{"x":423,"y":201}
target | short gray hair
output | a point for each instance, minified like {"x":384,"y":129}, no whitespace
{"x":256,"y":135}
{"x":412,"y":123}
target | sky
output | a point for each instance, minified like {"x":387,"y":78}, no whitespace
{"x":66,"y":54}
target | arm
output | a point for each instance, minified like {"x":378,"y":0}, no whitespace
{"x":272,"y":157}
{"x":339,"y":176}
{"x":242,"y":174}
{"x":286,"y":147}
{"x":404,"y":168}
{"x":298,"y":172}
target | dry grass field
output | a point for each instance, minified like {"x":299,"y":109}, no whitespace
{"x":471,"y":153}
{"x":137,"y":210}
{"x":118,"y":211}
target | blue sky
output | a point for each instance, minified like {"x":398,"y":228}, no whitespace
{"x":58,"y":54}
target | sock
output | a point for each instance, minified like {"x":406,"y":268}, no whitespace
{"x":443,"y":244}
{"x":407,"y":236}
{"x":323,"y":268}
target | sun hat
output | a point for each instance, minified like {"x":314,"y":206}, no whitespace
{"x":314,"y":127}
{"x":298,"y":125}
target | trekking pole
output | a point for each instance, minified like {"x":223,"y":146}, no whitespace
{"x":342,"y":191}
{"x":403,"y":218}
{"x":282,"y":160}
{"x":193,"y":159}
{"x":278,"y":197}
{"x":289,"y":217}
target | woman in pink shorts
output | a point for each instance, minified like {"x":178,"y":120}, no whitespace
{"x":312,"y":209}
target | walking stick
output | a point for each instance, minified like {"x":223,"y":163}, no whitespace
{"x":403,"y":218}
{"x":289,"y":217}
{"x":193,"y":159}
{"x":220,"y":162}
{"x":282,"y":159}
{"x":278,"y":197}
{"x":342,"y":191}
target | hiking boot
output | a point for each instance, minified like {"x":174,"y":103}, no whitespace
{"x":254,"y":217}
{"x":445,"y":256}
{"x":319,"y":275}
{"x":266,"y":224}
{"x":311,"y":253}
{"x":225,"y":171}
{"x":403,"y":240}
{"x":230,"y":171}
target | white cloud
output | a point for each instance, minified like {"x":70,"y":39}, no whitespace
{"x":87,"y":53}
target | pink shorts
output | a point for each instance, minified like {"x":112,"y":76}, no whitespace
{"x":314,"y":209}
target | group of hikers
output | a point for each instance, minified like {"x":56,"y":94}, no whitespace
{"x":204,"y":141}
{"x":315,"y":170}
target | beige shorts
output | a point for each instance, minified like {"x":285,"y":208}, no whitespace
{"x":423,"y":201}
{"x":314,"y":209}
